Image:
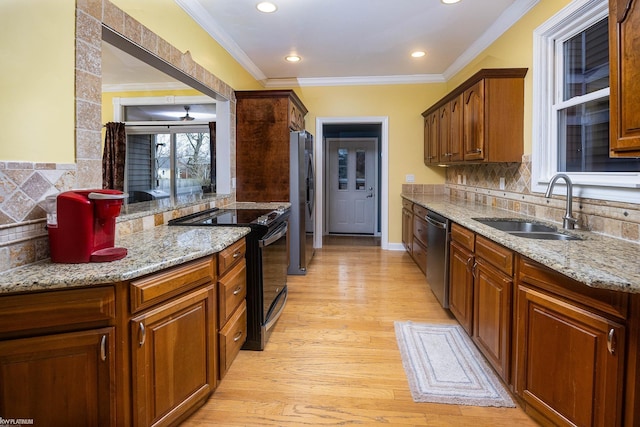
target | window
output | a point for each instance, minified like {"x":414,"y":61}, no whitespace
{"x":571,"y":105}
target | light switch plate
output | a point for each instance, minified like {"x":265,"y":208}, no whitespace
{"x":410,"y":178}
{"x":502,"y":183}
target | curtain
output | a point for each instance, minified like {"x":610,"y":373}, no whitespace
{"x":113,"y":158}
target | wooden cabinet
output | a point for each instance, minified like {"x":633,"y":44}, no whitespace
{"x":480,"y":294}
{"x":624,"y":77}
{"x":264,"y":120}
{"x":419,"y":238}
{"x":232,"y":309}
{"x":482,"y":120}
{"x":407,"y":224}
{"x":173,"y":358}
{"x":452,"y":131}
{"x":492,"y":297}
{"x":173,"y":340}
{"x":461,"y":261}
{"x":431,"y":138}
{"x":57,"y":357}
{"x":570,"y":349}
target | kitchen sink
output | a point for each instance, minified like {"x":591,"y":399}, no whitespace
{"x":527,"y":229}
{"x":516,"y":225}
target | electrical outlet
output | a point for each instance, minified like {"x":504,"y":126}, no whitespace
{"x":459,"y":179}
{"x":410,"y":178}
{"x":502,"y":183}
{"x":233,"y":183}
{"x":464,"y":179}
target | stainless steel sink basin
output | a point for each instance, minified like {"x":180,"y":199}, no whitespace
{"x":544,"y":235}
{"x":527,"y":229}
{"x":515,"y":225}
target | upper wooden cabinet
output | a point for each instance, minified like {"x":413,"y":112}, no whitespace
{"x":264,"y":120}
{"x":482,"y":120}
{"x":624,"y":69}
{"x":431,"y":137}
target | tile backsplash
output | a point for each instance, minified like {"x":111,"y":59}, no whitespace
{"x":616,"y":219}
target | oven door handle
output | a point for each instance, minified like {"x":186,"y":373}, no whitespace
{"x":274,"y":236}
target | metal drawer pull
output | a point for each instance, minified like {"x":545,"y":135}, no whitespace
{"x":143,"y":334}
{"x":103,"y":348}
{"x":237,"y":290}
{"x":469,"y":266}
{"x":238,"y":336}
{"x":237,"y":254}
{"x":611,"y":336}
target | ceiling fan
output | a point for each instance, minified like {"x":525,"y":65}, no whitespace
{"x":186,"y":117}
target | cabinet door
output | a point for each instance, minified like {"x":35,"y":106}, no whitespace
{"x":444,"y":133}
{"x":461,"y":285}
{"x":474,"y":141}
{"x":173,"y":358}
{"x":492,"y":293}
{"x":64,"y":379}
{"x":456,"y":135}
{"x":431,"y":139}
{"x":624,"y":65}
{"x":570,"y":362}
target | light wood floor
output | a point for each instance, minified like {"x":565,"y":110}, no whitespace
{"x":333,"y":358}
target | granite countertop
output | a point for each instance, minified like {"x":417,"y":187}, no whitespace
{"x":148,"y":252}
{"x":597,"y":261}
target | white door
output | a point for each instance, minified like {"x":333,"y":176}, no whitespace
{"x":352,"y":180}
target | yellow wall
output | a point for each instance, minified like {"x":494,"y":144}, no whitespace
{"x":37,"y":80}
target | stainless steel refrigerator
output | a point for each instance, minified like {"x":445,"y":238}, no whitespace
{"x":302,"y":195}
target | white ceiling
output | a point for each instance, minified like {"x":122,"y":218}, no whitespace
{"x":344,"y":41}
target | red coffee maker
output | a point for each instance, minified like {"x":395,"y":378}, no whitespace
{"x":82,"y":225}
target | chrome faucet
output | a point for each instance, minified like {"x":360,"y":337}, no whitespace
{"x":568,"y":221}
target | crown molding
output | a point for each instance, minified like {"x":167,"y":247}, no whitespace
{"x":142,"y":87}
{"x":355,"y":81}
{"x":199,"y":14}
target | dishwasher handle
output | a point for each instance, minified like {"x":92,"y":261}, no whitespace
{"x":435,"y":222}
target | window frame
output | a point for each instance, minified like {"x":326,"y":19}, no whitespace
{"x":574,"y":18}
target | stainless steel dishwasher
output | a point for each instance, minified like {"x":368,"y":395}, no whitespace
{"x":438,"y":256}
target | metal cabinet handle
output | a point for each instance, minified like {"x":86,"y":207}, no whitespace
{"x":474,"y":270}
{"x":469,"y":266}
{"x":611,"y":340}
{"x":103,"y":348}
{"x":143,"y":334}
{"x":236,"y":254}
{"x":237,"y":290}
{"x":238,"y":336}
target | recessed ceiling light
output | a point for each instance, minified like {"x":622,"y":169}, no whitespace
{"x":418,"y":54}
{"x":293,"y":58}
{"x":266,"y":7}
{"x":449,"y":1}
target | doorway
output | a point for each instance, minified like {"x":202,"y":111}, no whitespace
{"x":353,"y":127}
{"x":352,"y":181}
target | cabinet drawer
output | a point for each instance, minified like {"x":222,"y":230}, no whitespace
{"x":499,"y":256}
{"x":229,"y":256}
{"x":420,"y":211}
{"x":161,"y":286}
{"x":420,"y":230}
{"x":232,"y":336}
{"x":603,"y":300}
{"x":232,"y":290}
{"x":466,"y":238}
{"x":56,"y":311}
{"x":407,"y":204}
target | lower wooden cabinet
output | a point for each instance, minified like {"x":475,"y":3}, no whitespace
{"x":461,"y":262}
{"x":63,"y":379}
{"x":173,"y":358}
{"x":570,"y":358}
{"x":407,"y":224}
{"x":492,"y":295}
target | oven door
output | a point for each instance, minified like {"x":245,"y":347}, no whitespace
{"x":273,"y":248}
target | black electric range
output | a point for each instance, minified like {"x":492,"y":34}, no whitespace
{"x":267,"y":263}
